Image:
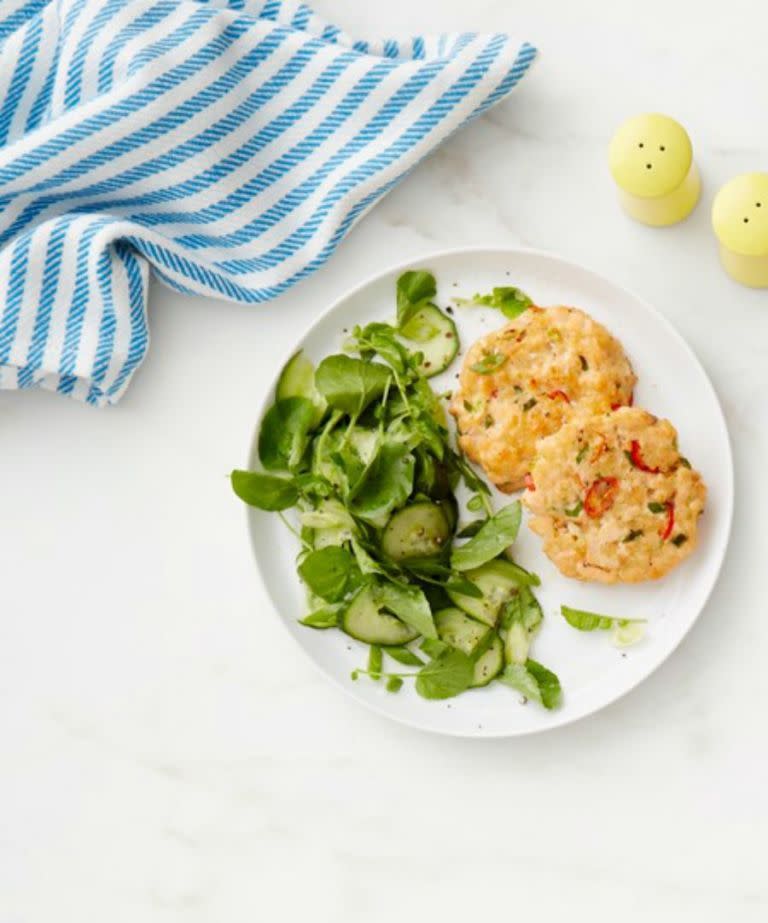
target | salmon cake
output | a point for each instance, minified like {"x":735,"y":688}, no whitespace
{"x":613,"y":498}
{"x":523,"y":382}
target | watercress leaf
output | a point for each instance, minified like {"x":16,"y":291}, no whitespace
{"x":472,"y":480}
{"x":409,"y":604}
{"x":394,"y":684}
{"x":381,"y":339}
{"x":586,"y":621}
{"x":548,"y":683}
{"x":327,"y":572}
{"x":428,"y":569}
{"x":404,"y":656}
{"x":433,"y":647}
{"x":534,"y":681}
{"x":470,"y":529}
{"x":375,"y":660}
{"x":313,"y":485}
{"x":460,"y":584}
{"x":496,"y":534}
{"x":523,"y":577}
{"x":365,"y":561}
{"x":330,"y":514}
{"x":386,"y":484}
{"x":264,"y":491}
{"x":326,"y":617}
{"x":516,"y":676}
{"x":448,"y":675}
{"x":349,"y":384}
{"x":414,"y":289}
{"x":284,"y":433}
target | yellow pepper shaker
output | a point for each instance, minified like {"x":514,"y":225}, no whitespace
{"x":740,"y":221}
{"x":651,"y":159}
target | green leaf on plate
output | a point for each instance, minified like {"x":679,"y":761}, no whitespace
{"x":534,"y":681}
{"x":328,"y":572}
{"x":409,"y":604}
{"x":327,"y":617}
{"x":494,"y":536}
{"x":264,"y":491}
{"x":405,"y":656}
{"x":385,"y":485}
{"x":284,"y":433}
{"x":448,"y":675}
{"x":415,"y":288}
{"x":349,"y":384}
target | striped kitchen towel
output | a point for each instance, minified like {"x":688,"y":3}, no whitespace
{"x":229,"y":145}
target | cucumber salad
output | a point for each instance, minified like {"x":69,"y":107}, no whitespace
{"x":360,"y":448}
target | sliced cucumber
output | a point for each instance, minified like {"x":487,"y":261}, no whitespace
{"x":460,"y":631}
{"x":420,"y":530}
{"x":366,"y":621}
{"x":524,"y":577}
{"x":450,"y":509}
{"x":298,"y":380}
{"x":517,"y":644}
{"x":498,"y":581}
{"x":434,"y":335}
{"x":329,"y":524}
{"x":489,"y":664}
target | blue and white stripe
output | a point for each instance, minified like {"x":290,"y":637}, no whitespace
{"x":228,"y":144}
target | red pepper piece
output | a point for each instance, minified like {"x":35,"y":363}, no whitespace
{"x":528,"y":481}
{"x":636,"y":457}
{"x":561,"y":395}
{"x":600,"y":497}
{"x":667,"y":528}
{"x":629,"y":403}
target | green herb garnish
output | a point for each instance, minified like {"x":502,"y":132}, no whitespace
{"x":625,"y":631}
{"x":489,"y":363}
{"x":509,"y":300}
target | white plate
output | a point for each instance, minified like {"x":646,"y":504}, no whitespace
{"x":671,"y":383}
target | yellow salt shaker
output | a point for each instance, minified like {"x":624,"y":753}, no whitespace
{"x":651,"y":159}
{"x":740,"y":220}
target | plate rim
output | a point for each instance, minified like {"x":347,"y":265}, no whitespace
{"x":671,"y":330}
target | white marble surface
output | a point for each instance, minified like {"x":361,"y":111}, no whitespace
{"x":166,"y":754}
